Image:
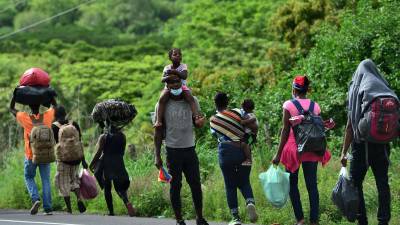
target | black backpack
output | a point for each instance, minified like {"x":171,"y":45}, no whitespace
{"x":310,"y":133}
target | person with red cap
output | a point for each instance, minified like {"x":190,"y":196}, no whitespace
{"x":288,"y":153}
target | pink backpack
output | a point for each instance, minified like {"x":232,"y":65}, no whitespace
{"x":380,"y":123}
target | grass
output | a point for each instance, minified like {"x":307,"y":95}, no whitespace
{"x":152,"y":200}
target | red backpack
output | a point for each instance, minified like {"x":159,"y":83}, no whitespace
{"x":380,"y":123}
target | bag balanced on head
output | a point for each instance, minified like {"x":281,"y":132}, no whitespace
{"x":41,"y":141}
{"x":69,"y":148}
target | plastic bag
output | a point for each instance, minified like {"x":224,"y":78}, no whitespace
{"x":275,"y":183}
{"x":345,"y":196}
{"x":164,"y":176}
{"x":88,"y":188}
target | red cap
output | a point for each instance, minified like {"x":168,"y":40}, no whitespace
{"x":299,"y":82}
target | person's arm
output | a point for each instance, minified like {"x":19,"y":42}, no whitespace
{"x":284,"y":136}
{"x":348,"y":138}
{"x":76,"y":125}
{"x":181,"y":74}
{"x":53,"y":103}
{"x":99,"y":147}
{"x":198,"y":120}
{"x":158,"y":136}
{"x":84,"y":163}
{"x":12,"y":106}
{"x":248,"y":121}
{"x":167,"y":78}
{"x":55,"y":132}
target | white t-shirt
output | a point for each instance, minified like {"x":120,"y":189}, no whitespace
{"x":248,"y":116}
{"x":181,"y":67}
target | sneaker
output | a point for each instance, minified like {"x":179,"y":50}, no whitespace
{"x":48,"y":213}
{"x":81,"y":207}
{"x":131,"y":210}
{"x":35,"y":207}
{"x":201,"y":221}
{"x":251,"y":212}
{"x":182,"y":222}
{"x":235,"y":221}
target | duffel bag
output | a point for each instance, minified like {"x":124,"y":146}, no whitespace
{"x":28,"y":95}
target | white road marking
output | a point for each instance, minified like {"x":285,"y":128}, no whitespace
{"x":32,"y":222}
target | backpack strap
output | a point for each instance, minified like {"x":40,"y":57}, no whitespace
{"x":311,"y":108}
{"x":57,"y":124}
{"x":36,"y":121}
{"x":298,"y":106}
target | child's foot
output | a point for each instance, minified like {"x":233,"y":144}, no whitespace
{"x":131,"y":210}
{"x":247,"y":162}
{"x":158,"y":124}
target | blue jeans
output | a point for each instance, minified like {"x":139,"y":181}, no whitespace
{"x":30,"y":173}
{"x":310,"y":176}
{"x":235,"y":175}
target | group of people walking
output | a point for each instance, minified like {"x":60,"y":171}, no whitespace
{"x":178,"y":113}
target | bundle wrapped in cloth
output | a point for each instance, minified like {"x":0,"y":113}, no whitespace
{"x":118,"y":112}
{"x":28,"y":95}
{"x":35,"y":77}
{"x":34,"y":88}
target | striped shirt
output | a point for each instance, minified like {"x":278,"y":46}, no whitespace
{"x":226,"y":125}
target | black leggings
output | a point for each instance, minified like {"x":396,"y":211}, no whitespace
{"x":119,"y":188}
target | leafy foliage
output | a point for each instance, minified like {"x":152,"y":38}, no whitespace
{"x":247,"y":48}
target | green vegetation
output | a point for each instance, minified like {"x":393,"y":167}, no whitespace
{"x":248,"y":48}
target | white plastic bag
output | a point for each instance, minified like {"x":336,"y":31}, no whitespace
{"x":275,"y":183}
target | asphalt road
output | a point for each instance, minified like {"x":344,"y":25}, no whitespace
{"x":13,"y":217}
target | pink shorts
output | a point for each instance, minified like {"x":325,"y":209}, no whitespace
{"x":184,"y":88}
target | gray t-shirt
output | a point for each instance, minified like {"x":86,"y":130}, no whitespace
{"x":179,"y":124}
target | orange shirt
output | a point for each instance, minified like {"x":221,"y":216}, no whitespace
{"x":25,"y":121}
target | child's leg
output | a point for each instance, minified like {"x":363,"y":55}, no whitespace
{"x":187,"y":95}
{"x":161,"y":107}
{"x":253,"y":127}
{"x":247,"y":153}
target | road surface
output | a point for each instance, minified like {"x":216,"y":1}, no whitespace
{"x":18,"y":217}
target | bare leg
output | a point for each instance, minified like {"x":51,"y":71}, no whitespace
{"x":161,"y":107}
{"x":247,"y":153}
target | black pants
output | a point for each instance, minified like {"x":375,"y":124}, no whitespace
{"x":235,"y":175}
{"x":378,"y":159}
{"x":184,"y":160}
{"x":310,"y":176}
